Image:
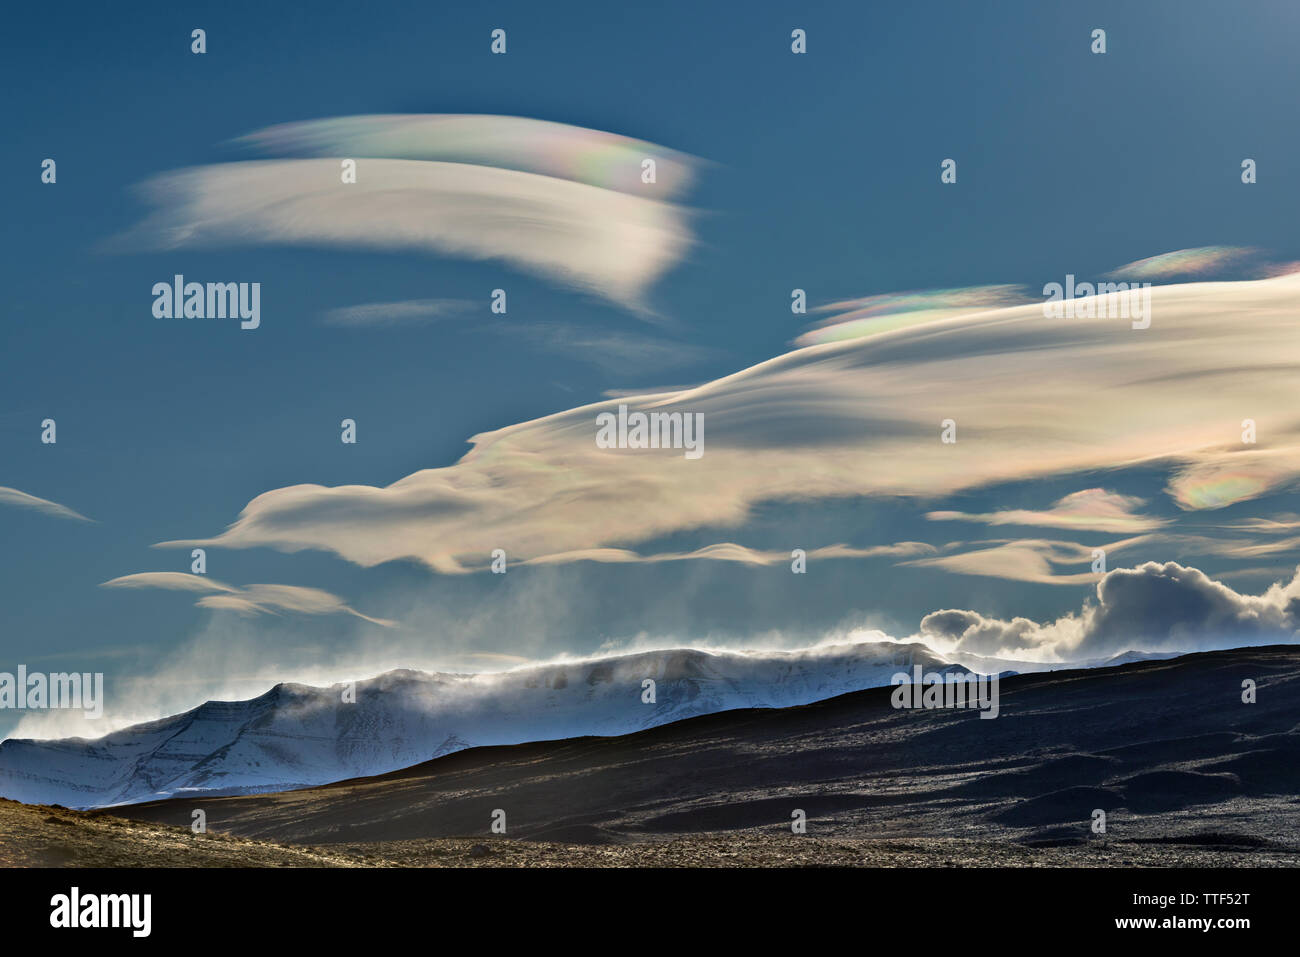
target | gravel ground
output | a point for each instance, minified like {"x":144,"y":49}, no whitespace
{"x":38,"y":836}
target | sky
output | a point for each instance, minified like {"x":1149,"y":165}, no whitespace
{"x":522,"y":172}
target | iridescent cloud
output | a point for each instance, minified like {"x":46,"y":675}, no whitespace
{"x":1030,"y":397}
{"x":520,"y":143}
{"x":1186,"y":263}
{"x":855,"y":318}
{"x":597,"y":227}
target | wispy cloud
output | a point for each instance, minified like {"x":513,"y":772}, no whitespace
{"x":1092,"y":509}
{"x":1277,"y":525}
{"x":1026,"y":560}
{"x":248,"y":599}
{"x":616,"y":351}
{"x":1050,"y":562}
{"x":397,"y":313}
{"x":731,"y":552}
{"x":12,"y":496}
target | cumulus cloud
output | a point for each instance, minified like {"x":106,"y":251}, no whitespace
{"x":1152,"y":607}
{"x":248,"y":599}
{"x":12,"y":496}
{"x":1032,"y":397}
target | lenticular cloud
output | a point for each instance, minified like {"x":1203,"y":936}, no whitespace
{"x":567,"y":152}
{"x":1032,"y":397}
{"x":565,"y":203}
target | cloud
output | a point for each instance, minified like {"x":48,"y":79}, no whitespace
{"x":601,"y":241}
{"x":871,"y":315}
{"x":246,"y":600}
{"x":1036,"y":560}
{"x":12,"y":496}
{"x":731,"y":552}
{"x":1153,"y":607}
{"x":1183,"y":263}
{"x":396,"y":313}
{"x":173,"y":581}
{"x":519,"y":143}
{"x":625,"y":353}
{"x":967,"y":631}
{"x":557,"y":201}
{"x":1026,"y":560}
{"x":1219,"y":478}
{"x":1092,"y":509}
{"x":1032,"y":397}
{"x":1278,"y":524}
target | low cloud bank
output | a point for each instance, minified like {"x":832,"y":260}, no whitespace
{"x":1153,"y":607}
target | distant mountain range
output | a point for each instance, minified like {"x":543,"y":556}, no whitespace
{"x":987,"y":665}
{"x":1182,"y":768}
{"x":296,"y":736}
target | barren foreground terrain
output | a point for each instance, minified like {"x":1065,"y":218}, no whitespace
{"x":37,"y":836}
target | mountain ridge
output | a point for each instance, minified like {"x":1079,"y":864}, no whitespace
{"x":297,"y":735}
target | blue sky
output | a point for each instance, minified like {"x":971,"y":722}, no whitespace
{"x":818,"y":171}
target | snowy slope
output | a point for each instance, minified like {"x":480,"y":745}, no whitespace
{"x":295,"y":735}
{"x":988,"y":665}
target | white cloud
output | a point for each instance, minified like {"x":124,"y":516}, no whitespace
{"x":731,"y":552}
{"x":1093,"y":509}
{"x":248,"y":599}
{"x":396,"y":313}
{"x":1026,"y":560}
{"x":616,"y":351}
{"x":1153,"y":607}
{"x":558,"y":201}
{"x":12,"y":496}
{"x":1033,"y":397}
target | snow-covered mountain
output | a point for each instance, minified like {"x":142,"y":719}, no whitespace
{"x":987,"y":665}
{"x":296,"y":735}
